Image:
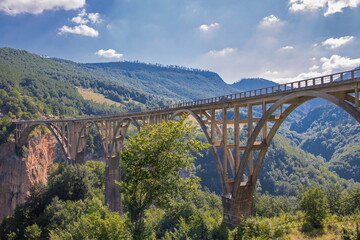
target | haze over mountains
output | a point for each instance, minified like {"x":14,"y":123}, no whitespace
{"x":318,"y":144}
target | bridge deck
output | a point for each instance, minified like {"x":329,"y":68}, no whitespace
{"x":268,"y":94}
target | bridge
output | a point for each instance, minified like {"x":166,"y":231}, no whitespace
{"x":255,"y":117}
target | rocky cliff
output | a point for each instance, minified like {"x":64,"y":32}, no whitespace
{"x":18,"y":174}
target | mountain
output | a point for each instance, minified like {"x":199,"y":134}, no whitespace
{"x":247,"y":84}
{"x":174,"y":82}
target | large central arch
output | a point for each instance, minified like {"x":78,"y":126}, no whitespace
{"x":294,"y":100}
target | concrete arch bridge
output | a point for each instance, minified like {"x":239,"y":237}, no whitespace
{"x":257,"y":115}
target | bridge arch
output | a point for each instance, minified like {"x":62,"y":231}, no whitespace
{"x":62,"y":140}
{"x":301,"y":98}
{"x":83,"y":136}
{"x":120,"y":132}
{"x":217,"y":158}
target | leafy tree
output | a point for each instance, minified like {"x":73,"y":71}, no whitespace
{"x":93,"y":221}
{"x":152,"y":161}
{"x":314,"y":204}
{"x":33,"y":232}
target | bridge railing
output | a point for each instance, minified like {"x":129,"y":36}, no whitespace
{"x":302,"y":84}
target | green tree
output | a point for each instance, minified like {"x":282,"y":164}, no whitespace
{"x":33,"y":231}
{"x":153,"y":161}
{"x":314,"y":204}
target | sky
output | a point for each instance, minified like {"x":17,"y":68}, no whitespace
{"x":280,"y":40}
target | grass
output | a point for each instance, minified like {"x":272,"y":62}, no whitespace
{"x":88,"y":94}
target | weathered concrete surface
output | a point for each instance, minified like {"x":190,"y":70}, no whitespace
{"x":18,"y":174}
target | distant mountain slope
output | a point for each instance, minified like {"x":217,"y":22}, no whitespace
{"x":247,"y":84}
{"x":26,"y":70}
{"x":331,"y":133}
{"x":172,"y":81}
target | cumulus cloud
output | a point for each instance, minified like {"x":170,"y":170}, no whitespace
{"x":270,"y":21}
{"x":14,"y":7}
{"x":94,"y":17}
{"x":80,"y":29}
{"x":330,"y":65}
{"x":206,"y":28}
{"x":337,"y":42}
{"x":223,"y":52}
{"x":331,"y":6}
{"x":84,"y":18}
{"x":336,"y":62}
{"x":110,"y":53}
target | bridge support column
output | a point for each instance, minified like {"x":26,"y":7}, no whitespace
{"x":80,"y":157}
{"x":238,"y":207}
{"x":112,"y":190}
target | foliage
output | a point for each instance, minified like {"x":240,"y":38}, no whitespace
{"x":32,"y":232}
{"x":60,"y":203}
{"x":314,"y":204}
{"x":94,"y":222}
{"x":271,"y":206}
{"x":153,"y":161}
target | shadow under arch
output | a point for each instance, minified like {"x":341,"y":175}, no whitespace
{"x":81,"y":143}
{"x":62,"y":140}
{"x":224,"y":186}
{"x":301,"y":98}
{"x":119,"y":136}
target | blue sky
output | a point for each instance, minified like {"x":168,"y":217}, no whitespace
{"x":282,"y":40}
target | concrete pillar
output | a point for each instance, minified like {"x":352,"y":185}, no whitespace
{"x":112,"y":190}
{"x":239,"y":207}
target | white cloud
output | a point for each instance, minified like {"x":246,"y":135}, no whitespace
{"x":314,"y":67}
{"x":337,"y":42}
{"x":80,"y":18}
{"x":14,"y":7}
{"x":80,"y":29}
{"x":270,"y":21}
{"x":335,"y":6}
{"x":286,"y":48}
{"x":206,"y":28}
{"x":273,"y":73}
{"x":94,"y":17}
{"x":336,"y":62}
{"x":110,"y":53}
{"x":222,"y":52}
{"x":84,"y":18}
{"x":331,"y":6}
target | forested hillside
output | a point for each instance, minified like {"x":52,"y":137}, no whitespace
{"x":169,"y":81}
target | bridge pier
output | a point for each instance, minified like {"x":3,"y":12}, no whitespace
{"x":238,"y":207}
{"x":112,"y":190}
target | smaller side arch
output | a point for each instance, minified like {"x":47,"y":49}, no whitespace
{"x":224,"y":184}
{"x":117,"y":130}
{"x":80,"y":155}
{"x":62,"y":140}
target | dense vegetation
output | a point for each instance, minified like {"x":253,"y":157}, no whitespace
{"x":70,"y":206}
{"x":320,"y":149}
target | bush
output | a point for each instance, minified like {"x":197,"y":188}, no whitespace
{"x":314,"y":204}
